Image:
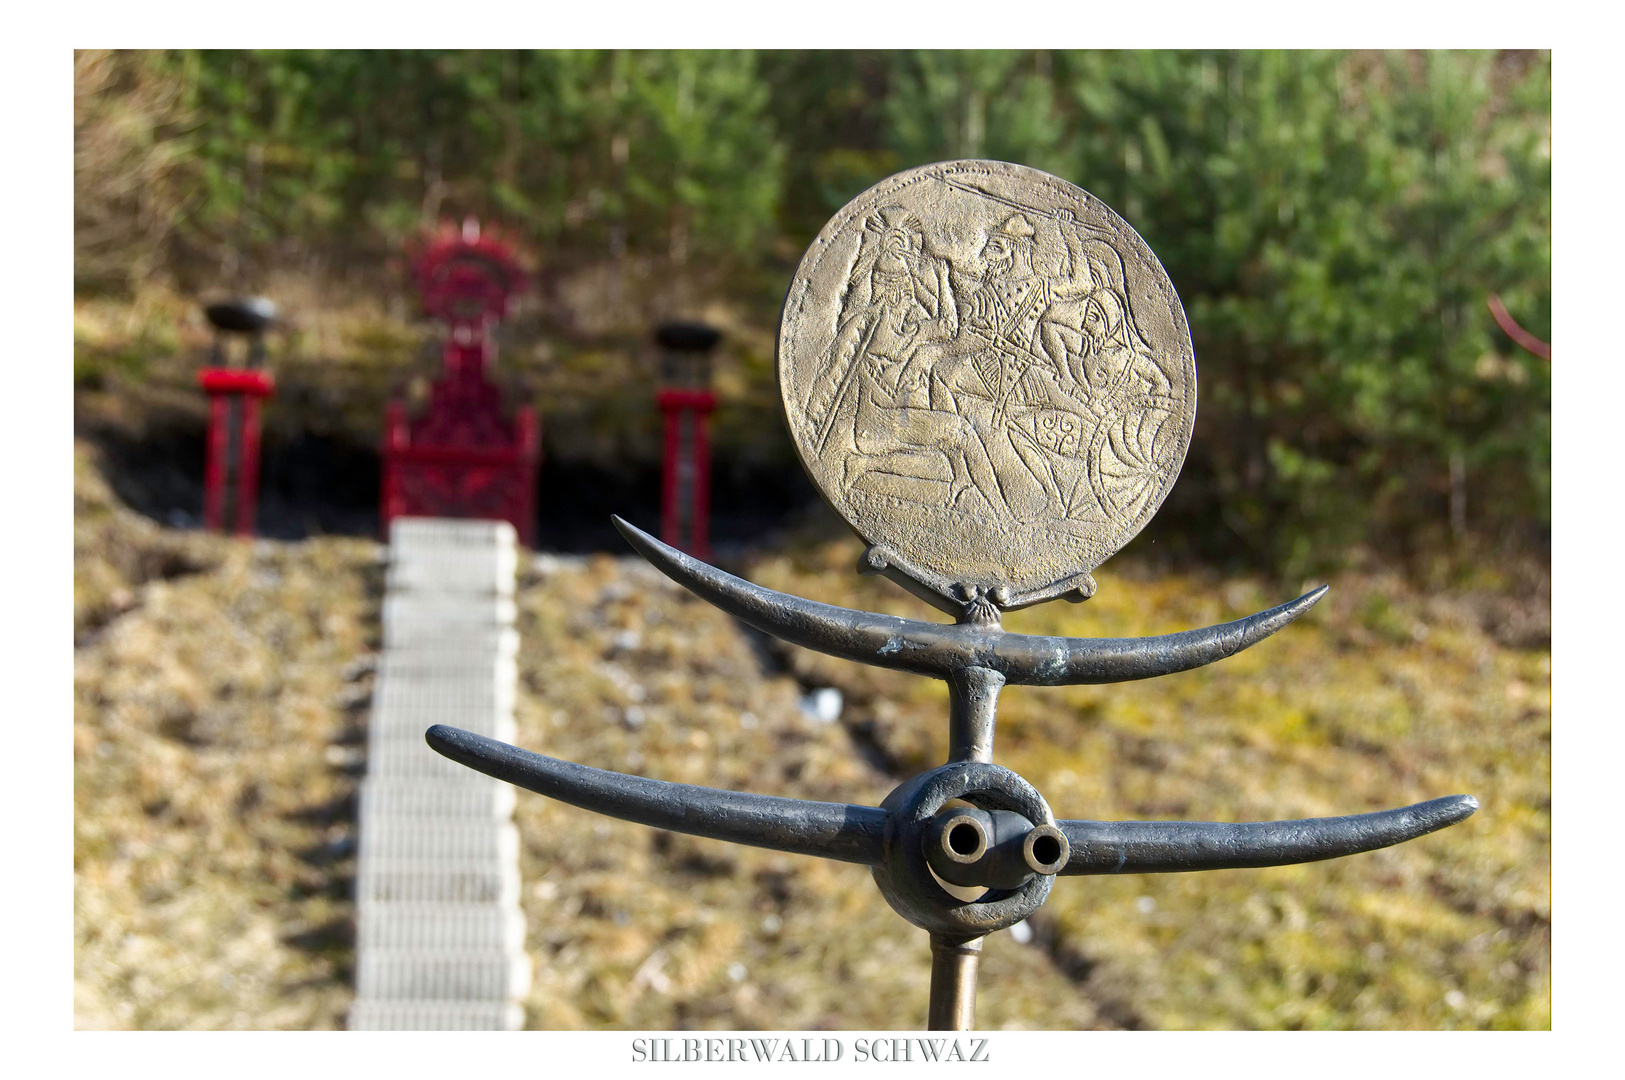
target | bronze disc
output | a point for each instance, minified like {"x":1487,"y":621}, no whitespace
{"x":988,"y":374}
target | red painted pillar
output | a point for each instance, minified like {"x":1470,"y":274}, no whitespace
{"x":216,"y":453}
{"x":231,"y":468}
{"x":687,"y":401}
{"x":248,"y":466}
{"x":685,"y":488}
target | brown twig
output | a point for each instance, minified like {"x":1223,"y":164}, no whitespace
{"x":1505,"y":321}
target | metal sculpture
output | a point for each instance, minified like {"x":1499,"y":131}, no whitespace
{"x":686,"y":400}
{"x":463,"y":458}
{"x":988,"y":374}
{"x":231,"y":469}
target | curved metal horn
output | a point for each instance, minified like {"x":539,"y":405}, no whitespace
{"x":864,"y":636}
{"x":1029,"y":660}
{"x":828,"y":830}
{"x":939,"y":649}
{"x":1161,"y":847}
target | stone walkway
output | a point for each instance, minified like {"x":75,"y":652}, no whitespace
{"x":440,"y":937}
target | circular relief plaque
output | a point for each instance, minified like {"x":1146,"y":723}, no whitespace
{"x":989,"y":376}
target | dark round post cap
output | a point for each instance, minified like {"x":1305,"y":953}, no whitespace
{"x":687,"y":336}
{"x":244,"y":316}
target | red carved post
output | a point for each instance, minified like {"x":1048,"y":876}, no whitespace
{"x":216,"y":452}
{"x":248,"y":463}
{"x":231,"y":470}
{"x":233,"y":444}
{"x":463,"y":457}
{"x":687,"y":402}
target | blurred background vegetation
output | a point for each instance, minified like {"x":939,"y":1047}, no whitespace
{"x":1333,"y":222}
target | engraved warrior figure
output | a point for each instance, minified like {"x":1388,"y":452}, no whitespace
{"x":1010,"y":372}
{"x":871,"y":408}
{"x":1015,"y":311}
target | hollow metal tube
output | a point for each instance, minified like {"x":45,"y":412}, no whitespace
{"x":996,"y":849}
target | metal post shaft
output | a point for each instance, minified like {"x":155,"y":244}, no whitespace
{"x":953,"y":983}
{"x":973,"y":699}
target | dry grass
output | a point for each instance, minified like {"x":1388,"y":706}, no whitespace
{"x":217,"y":739}
{"x":211,"y":791}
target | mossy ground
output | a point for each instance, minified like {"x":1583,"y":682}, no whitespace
{"x":220,"y":692}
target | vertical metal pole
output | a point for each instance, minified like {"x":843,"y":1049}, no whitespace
{"x":973,"y":700}
{"x":953,"y":983}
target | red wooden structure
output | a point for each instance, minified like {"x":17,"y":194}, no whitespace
{"x":687,"y":402}
{"x":233,"y":444}
{"x":463,"y":458}
{"x":231,"y":466}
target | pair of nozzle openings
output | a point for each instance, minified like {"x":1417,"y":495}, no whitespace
{"x":994,"y":849}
